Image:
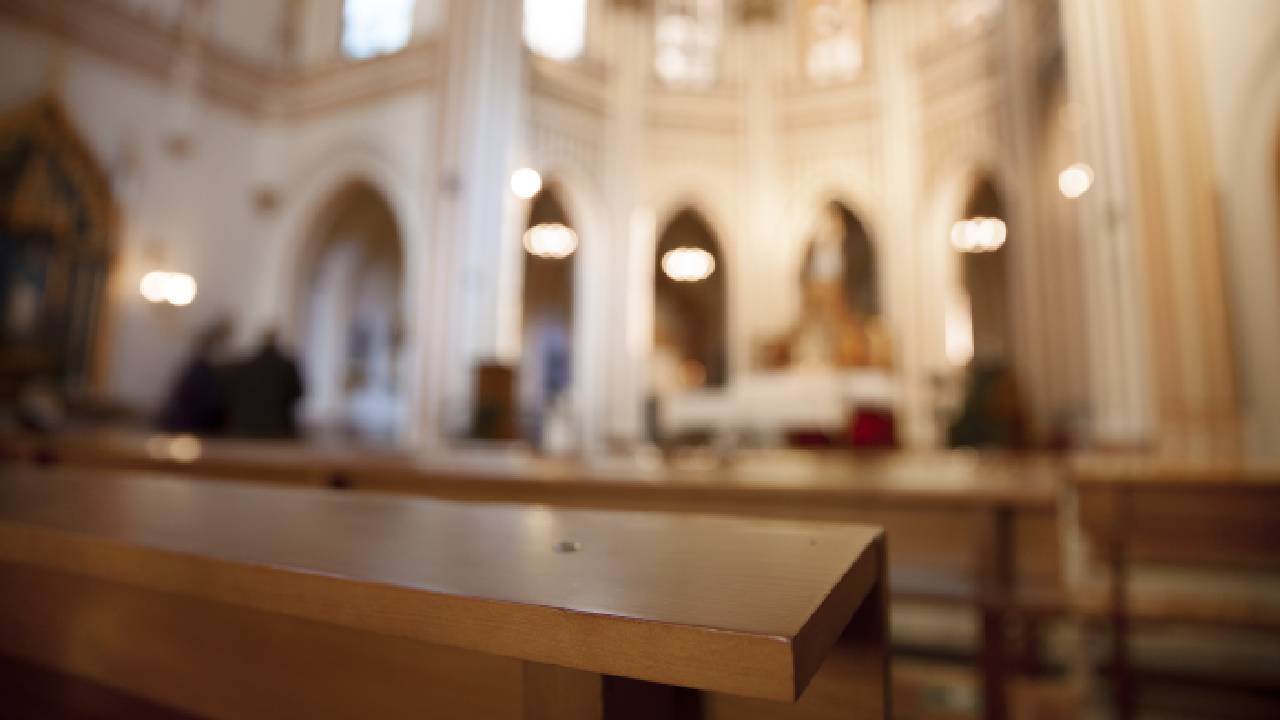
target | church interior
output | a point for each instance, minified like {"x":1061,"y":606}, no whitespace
{"x":640,"y":358}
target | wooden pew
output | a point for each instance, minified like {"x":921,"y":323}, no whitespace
{"x":1219,"y":518}
{"x":239,"y":600}
{"x":971,"y":530}
{"x":974,"y":530}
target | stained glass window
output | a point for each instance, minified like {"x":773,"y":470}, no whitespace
{"x":833,"y":39}
{"x":555,"y":28}
{"x":375,"y":27}
{"x":687,"y":38}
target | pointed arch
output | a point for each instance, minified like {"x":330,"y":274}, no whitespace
{"x":861,"y":270}
{"x":548,"y":317}
{"x":986,"y":280}
{"x":691,"y":318}
{"x":349,"y":288}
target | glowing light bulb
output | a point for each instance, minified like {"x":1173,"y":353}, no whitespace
{"x":688,"y":264}
{"x":552,"y":241}
{"x":555,"y":28}
{"x":1075,"y":180}
{"x":525,"y":183}
{"x":180,"y":290}
{"x":979,"y":235}
{"x":154,"y":285}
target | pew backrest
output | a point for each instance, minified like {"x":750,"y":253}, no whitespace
{"x":1211,"y":517}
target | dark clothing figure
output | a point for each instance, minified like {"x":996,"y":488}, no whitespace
{"x":196,"y":403}
{"x":262,"y":394}
{"x":992,"y":414}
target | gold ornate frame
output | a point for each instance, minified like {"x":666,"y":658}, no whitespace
{"x":32,"y":205}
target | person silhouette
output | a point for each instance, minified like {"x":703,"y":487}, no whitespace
{"x":196,"y":403}
{"x":263,"y":392}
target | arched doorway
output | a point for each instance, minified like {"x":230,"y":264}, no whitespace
{"x":57,"y":238}
{"x":547,"y":320}
{"x":985,"y":279}
{"x":992,"y":413}
{"x":861,"y":291}
{"x":690,"y":312}
{"x":350,"y":323}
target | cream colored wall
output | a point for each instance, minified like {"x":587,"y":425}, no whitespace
{"x":199,"y":212}
{"x":187,"y":213}
{"x":250,"y":30}
{"x":247,"y":30}
{"x":164,"y":12}
{"x":320,"y":32}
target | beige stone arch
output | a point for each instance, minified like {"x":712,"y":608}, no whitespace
{"x":317,"y":195}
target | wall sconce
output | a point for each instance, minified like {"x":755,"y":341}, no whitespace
{"x":161,"y":286}
{"x":979,"y":235}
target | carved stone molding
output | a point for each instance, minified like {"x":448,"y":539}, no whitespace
{"x":580,"y":84}
{"x":153,"y":49}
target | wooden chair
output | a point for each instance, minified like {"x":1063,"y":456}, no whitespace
{"x":1215,"y":525}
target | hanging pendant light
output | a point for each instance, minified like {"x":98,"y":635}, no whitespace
{"x":550,"y":241}
{"x":688,"y":264}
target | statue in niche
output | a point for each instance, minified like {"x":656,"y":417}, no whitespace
{"x":839,"y":324}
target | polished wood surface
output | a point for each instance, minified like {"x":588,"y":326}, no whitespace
{"x":1214,"y":514}
{"x":978,"y":529}
{"x":1153,"y":471}
{"x":938,"y":506}
{"x":743,"y":607}
{"x":952,"y":478}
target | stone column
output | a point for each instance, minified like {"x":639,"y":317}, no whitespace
{"x":476,"y":124}
{"x":907,"y":254}
{"x":1160,"y":354}
{"x":765,"y":259}
{"x":630,"y":305}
